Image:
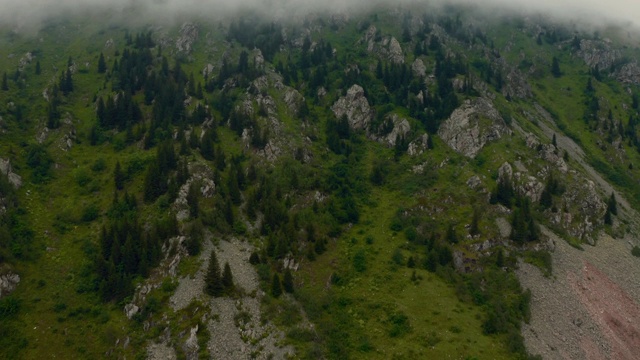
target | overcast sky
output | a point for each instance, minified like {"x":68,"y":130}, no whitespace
{"x":21,"y":12}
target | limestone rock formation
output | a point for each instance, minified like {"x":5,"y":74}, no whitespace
{"x":516,"y":85}
{"x":7,"y":169}
{"x":387,"y":48}
{"x":400,"y":127}
{"x":188,"y":36}
{"x":418,"y":68}
{"x":355,"y":106}
{"x":472,"y":126}
{"x":419,"y":145}
{"x":8,"y":283}
{"x":598,"y":53}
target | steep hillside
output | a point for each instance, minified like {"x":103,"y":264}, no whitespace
{"x":407,"y":182}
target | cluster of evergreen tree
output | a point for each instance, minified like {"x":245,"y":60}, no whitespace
{"x":524,"y":228}
{"x":552,"y":187}
{"x":252,"y":32}
{"x":157,"y":180}
{"x":120,"y":114}
{"x":16,"y":235}
{"x":218,"y":283}
{"x":126,"y":250}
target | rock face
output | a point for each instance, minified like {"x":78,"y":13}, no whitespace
{"x":598,"y":53}
{"x":191,"y":346}
{"x":516,"y":85}
{"x":472,"y":126}
{"x":401,"y":128}
{"x":6,"y":169}
{"x":8,"y":283}
{"x":629,"y":73}
{"x":188,"y":35}
{"x":355,"y":106}
{"x":387,"y":48}
{"x":418,"y":68}
{"x":418,"y":146}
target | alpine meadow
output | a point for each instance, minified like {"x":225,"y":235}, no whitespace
{"x":287,"y":179}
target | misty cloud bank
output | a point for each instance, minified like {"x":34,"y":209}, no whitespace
{"x":32,"y":12}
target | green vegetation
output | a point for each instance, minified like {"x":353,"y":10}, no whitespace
{"x":385,"y":242}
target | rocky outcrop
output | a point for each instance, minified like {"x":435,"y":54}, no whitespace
{"x":400,"y":127}
{"x":629,"y":73}
{"x":419,"y":145}
{"x":130,"y":310}
{"x":516,"y":85}
{"x":528,"y":186}
{"x":472,"y":126}
{"x":7,"y":170}
{"x":202,"y":176}
{"x":356,"y":107}
{"x":418,"y":68}
{"x":598,"y":53}
{"x":191,"y":346}
{"x":387,"y":48}
{"x":188,"y":36}
{"x":258,"y":59}
{"x":207,"y":70}
{"x":25,"y":60}
{"x":588,"y":211}
{"x":8,"y":283}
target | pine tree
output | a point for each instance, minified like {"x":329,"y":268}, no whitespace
{"x":612,"y":204}
{"x":475,"y":228}
{"x":192,"y":201}
{"x":608,"y":220}
{"x":452,"y":237}
{"x":254,"y":259}
{"x":287,"y":281}
{"x":118,"y":176}
{"x":5,"y":84}
{"x":102,"y":65}
{"x":276,"y":287}
{"x":555,"y":68}
{"x":38,"y":68}
{"x":212,"y":280}
{"x":500,"y":258}
{"x":227,"y":279}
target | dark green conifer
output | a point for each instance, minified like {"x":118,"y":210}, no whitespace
{"x":213,"y":280}
{"x":287,"y":281}
{"x":276,"y":287}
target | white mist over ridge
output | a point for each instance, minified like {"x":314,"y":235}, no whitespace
{"x":31,"y":12}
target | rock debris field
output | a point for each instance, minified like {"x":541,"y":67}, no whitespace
{"x":589,"y":308}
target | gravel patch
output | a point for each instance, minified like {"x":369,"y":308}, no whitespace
{"x":160,"y":352}
{"x":237,"y":253}
{"x":589,"y":308}
{"x":191,"y":288}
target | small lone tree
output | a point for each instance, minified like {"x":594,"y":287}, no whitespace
{"x":452,"y":237}
{"x":5,"y":84}
{"x":213,"y":281}
{"x":475,"y":226}
{"x":287,"y":281}
{"x":276,"y":287}
{"x":118,"y":176}
{"x":555,"y":68}
{"x":102,"y":65}
{"x":192,"y":201}
{"x":227,"y":279}
{"x":38,"y":68}
{"x":613,"y":204}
